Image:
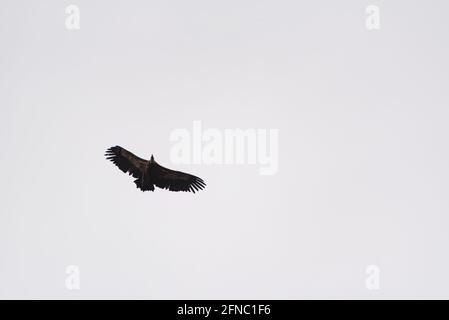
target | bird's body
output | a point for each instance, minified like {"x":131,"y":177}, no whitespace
{"x":149,"y":173}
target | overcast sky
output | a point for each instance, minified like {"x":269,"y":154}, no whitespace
{"x":363,"y":175}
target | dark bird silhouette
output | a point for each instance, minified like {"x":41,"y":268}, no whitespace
{"x":149,"y":173}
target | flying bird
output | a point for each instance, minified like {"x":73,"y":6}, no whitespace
{"x":149,"y":173}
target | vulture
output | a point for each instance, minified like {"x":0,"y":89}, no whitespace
{"x":149,"y":173}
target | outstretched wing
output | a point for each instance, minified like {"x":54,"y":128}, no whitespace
{"x":175,"y":180}
{"x":126,"y":161}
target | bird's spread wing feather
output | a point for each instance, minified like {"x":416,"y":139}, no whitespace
{"x":126,"y":161}
{"x":175,"y":180}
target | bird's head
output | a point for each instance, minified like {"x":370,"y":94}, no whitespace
{"x":152,"y":159}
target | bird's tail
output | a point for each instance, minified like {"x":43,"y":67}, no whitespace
{"x":144,"y":186}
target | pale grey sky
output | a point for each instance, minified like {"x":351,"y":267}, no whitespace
{"x":363,"y":158}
